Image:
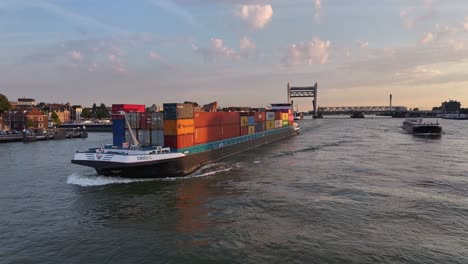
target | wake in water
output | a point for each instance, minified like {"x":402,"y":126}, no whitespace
{"x":92,"y":179}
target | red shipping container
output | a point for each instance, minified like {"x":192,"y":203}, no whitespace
{"x":145,"y":121}
{"x":244,"y":131}
{"x":178,"y":142}
{"x":230,"y":118}
{"x":291,"y":118}
{"x":260,"y":117}
{"x":207,"y":119}
{"x":116,"y":108}
{"x":278,"y":115}
{"x":206,"y":134}
{"x":230,"y":131}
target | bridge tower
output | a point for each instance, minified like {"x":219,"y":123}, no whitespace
{"x":298,"y":92}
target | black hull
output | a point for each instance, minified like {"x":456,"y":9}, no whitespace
{"x":89,"y":128}
{"x":177,"y":167}
{"x":423,"y":130}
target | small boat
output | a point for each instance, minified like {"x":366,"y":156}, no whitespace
{"x":417,"y":126}
{"x":357,"y":115}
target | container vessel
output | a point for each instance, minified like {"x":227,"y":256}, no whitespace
{"x":417,"y":126}
{"x":179,"y":141}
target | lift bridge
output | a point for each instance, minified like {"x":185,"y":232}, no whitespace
{"x":301,"y":92}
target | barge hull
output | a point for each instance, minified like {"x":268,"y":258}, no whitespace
{"x":181,"y":166}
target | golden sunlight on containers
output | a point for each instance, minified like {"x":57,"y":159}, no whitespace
{"x":244,"y":121}
{"x":178,"y":127}
{"x":270,"y":124}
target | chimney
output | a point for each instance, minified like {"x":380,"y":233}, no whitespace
{"x":391,"y":102}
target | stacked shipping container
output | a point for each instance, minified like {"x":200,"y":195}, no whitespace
{"x":178,"y":125}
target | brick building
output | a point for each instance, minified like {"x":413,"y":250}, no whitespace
{"x":19,"y":119}
{"x":37,"y":119}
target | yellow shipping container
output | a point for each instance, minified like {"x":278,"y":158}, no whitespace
{"x":178,"y":127}
{"x":270,"y":124}
{"x":285,"y":116}
{"x":244,"y":121}
{"x":251,"y":130}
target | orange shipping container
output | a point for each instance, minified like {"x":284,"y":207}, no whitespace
{"x":244,"y":121}
{"x":284,"y":116}
{"x":251,"y":129}
{"x":206,"y":134}
{"x":270,"y":124}
{"x":178,"y":127}
{"x":230,"y":131}
{"x":206,"y":119}
{"x":178,"y":142}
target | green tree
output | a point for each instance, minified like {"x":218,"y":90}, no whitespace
{"x":102,"y":112}
{"x":55,"y":119}
{"x":5,"y":105}
{"x":30,"y":123}
{"x":86,"y":113}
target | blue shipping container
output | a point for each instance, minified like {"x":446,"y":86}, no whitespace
{"x":259,"y":127}
{"x":251,"y":120}
{"x":118,"y":132}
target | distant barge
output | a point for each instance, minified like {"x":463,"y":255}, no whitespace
{"x":50,"y":134}
{"x":417,"y":126}
{"x":89,"y":127}
{"x":191,"y":140}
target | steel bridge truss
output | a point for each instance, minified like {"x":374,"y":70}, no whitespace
{"x":302,"y":92}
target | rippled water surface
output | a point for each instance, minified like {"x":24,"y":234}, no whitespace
{"x":344,"y":191}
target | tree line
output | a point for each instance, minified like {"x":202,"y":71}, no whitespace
{"x":95,"y":111}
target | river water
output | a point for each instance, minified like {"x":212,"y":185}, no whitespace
{"x":344,"y":191}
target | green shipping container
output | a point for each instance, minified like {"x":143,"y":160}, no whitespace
{"x":285,"y":123}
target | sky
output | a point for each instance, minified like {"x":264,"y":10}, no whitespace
{"x":236,"y":52}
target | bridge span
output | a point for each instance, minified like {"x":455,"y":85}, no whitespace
{"x":365,"y":109}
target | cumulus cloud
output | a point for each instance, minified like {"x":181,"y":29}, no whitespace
{"x":313,"y":52}
{"x":318,"y":9}
{"x":427,"y":38}
{"x":258,"y":16}
{"x":413,"y":15}
{"x":449,"y":36}
{"x":217,"y":50}
{"x":117,"y":64}
{"x":246,"y":43}
{"x":76,"y":55}
{"x":154,"y":55}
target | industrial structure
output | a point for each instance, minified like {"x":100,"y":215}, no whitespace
{"x":302,"y":92}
